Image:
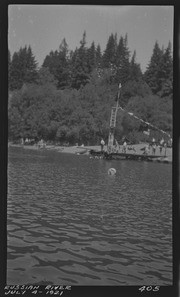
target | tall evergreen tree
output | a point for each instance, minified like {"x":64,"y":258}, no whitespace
{"x":80,"y":73}
{"x":51,"y":62}
{"x":58,"y":64}
{"x":166,"y":73}
{"x":109,"y":56}
{"x":30,"y":65}
{"x":15,"y":81}
{"x":91,"y":56}
{"x":23,"y":68}
{"x":63,"y":66}
{"x":122,"y":61}
{"x":98,"y":56}
{"x":135,"y":70}
{"x":152,"y":74}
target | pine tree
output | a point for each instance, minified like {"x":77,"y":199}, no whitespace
{"x":109,"y":56}
{"x":98,"y":56}
{"x":135,"y":70}
{"x":80,"y":73}
{"x":30,"y":65}
{"x":166,"y":73}
{"x":159,"y":73}
{"x":153,"y":73}
{"x":23,"y":68}
{"x":122,"y":61}
{"x":58,"y":64}
{"x":51,"y":62}
{"x":63,"y":66}
{"x":91,"y":56}
{"x":15,"y":81}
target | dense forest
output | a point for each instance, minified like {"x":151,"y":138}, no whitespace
{"x":69,"y":98}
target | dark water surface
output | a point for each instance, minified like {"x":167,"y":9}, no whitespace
{"x":69,"y":222}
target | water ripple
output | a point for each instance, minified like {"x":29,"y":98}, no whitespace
{"x":70,"y":223}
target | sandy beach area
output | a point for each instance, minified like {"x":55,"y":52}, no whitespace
{"x":85,"y":149}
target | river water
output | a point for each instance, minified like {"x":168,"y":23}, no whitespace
{"x":71,"y":223}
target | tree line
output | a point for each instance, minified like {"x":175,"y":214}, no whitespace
{"x":69,"y":98}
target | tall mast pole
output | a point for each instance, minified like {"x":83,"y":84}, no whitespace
{"x":113,"y":123}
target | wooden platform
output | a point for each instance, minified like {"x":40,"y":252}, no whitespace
{"x":141,"y":157}
{"x":125,"y":156}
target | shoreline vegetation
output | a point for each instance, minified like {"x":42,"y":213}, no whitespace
{"x":84,"y":150}
{"x":69,"y":99}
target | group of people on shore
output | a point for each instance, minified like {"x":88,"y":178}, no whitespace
{"x":162,"y":144}
{"x":150,"y":148}
{"x":116,"y":147}
{"x":40,"y":144}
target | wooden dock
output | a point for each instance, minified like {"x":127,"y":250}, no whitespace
{"x":129,"y":156}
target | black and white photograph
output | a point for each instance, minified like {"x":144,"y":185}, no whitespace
{"x":90,"y":140}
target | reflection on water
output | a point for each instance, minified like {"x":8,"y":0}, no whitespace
{"x":69,"y":222}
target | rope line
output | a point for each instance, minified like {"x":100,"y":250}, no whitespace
{"x":154,"y":127}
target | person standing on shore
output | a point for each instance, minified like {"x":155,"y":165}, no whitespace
{"x":22,"y":141}
{"x":153,"y":140}
{"x":162,"y":141}
{"x":146,"y":150}
{"x":102,"y":145}
{"x":116,"y":146}
{"x":154,"y":148}
{"x":124,"y":146}
{"x":165,"y":148}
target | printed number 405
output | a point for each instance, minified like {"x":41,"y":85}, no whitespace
{"x":149,"y":288}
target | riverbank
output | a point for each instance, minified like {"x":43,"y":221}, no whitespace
{"x":85,"y":149}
